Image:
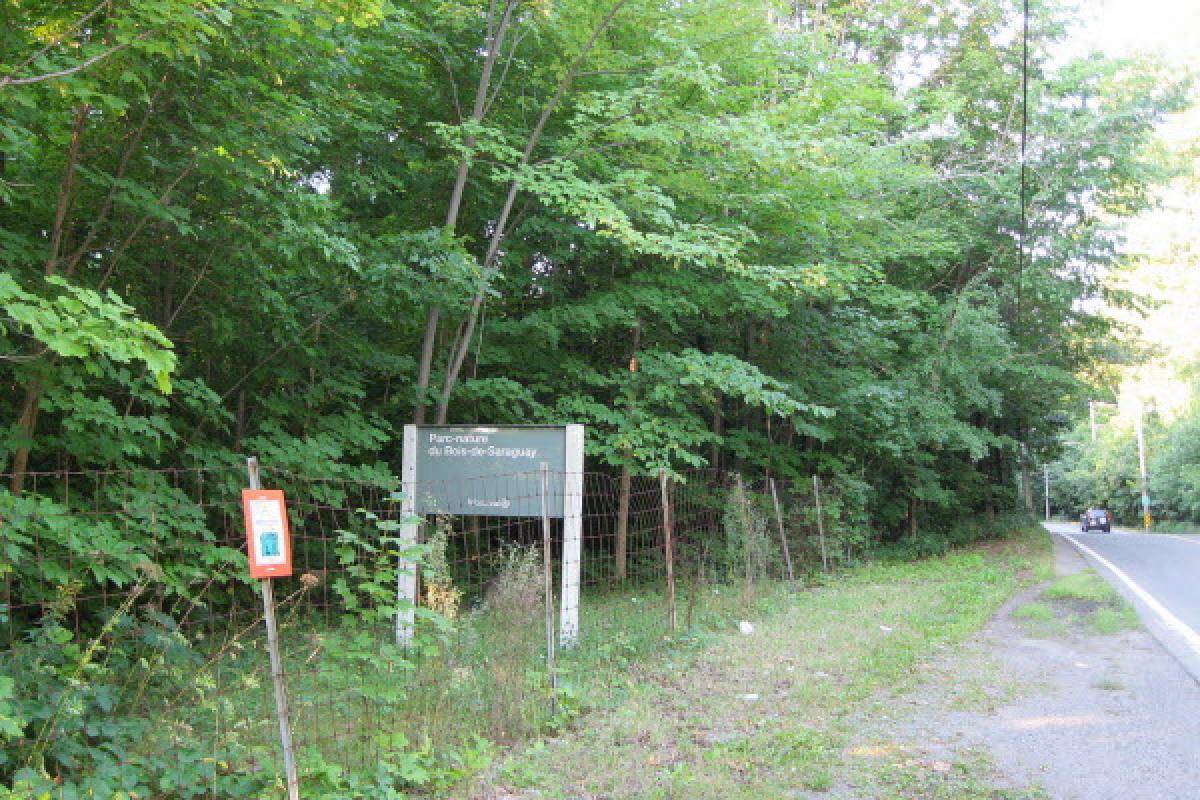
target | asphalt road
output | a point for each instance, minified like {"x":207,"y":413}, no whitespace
{"x":1159,"y":574}
{"x":1079,"y":714}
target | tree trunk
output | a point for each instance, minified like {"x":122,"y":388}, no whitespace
{"x":718,"y":428}
{"x":1026,"y":485}
{"x":622,"y":544}
{"x":454,"y":366}
{"x":26,"y":424}
{"x":495,"y":41}
{"x":32,"y":402}
{"x":240,"y":431}
{"x":431,"y":326}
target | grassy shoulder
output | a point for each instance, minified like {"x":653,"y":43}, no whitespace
{"x":765,"y":714}
{"x":1082,"y":601}
{"x":1175,"y":526}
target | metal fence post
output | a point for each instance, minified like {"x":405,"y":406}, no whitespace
{"x":572,"y":547}
{"x":406,"y":570}
{"x":548,"y":574}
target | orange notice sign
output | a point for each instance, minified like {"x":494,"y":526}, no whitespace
{"x":268,"y":539}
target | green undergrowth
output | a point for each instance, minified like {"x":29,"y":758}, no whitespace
{"x":1175,"y":526}
{"x":369,"y":719}
{"x":1082,"y":601}
{"x":701,"y":709}
{"x":717,"y":713}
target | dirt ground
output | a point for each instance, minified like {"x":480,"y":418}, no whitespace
{"x":1024,"y":714}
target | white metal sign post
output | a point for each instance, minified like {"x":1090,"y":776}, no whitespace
{"x":493,"y":471}
{"x":572,"y":552}
{"x":406,"y":573}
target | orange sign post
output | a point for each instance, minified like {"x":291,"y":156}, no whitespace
{"x":270,"y":548}
{"x":268,"y":539}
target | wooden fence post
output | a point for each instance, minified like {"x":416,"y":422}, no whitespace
{"x":620,"y":556}
{"x":820,"y":523}
{"x":787,"y":556}
{"x":748,"y":586}
{"x":277,"y":676}
{"x":668,"y":548}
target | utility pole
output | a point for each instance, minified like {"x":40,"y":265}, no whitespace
{"x":1147,"y":520}
{"x":1139,"y":426}
{"x":1026,"y":480}
{"x":1092,"y":406}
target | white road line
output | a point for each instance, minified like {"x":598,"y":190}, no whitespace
{"x":1171,"y":621}
{"x":1192,"y":539}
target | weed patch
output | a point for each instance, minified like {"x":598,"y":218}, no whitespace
{"x":1085,"y":586}
{"x":1038,"y":612}
{"x":1108,"y":621}
{"x":714,"y":713}
{"x":1080,"y":602}
{"x":969,"y":776}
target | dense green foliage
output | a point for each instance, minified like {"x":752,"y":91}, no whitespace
{"x":804,"y":227}
{"x":785,"y":239}
{"x":1155,"y":376}
{"x":1106,"y":473}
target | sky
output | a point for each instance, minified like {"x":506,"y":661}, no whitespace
{"x":1167,"y":240}
{"x":1121,"y":27}
{"x":1170,"y":29}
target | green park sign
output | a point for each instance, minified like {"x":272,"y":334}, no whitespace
{"x":493,"y":472}
{"x":489,"y":471}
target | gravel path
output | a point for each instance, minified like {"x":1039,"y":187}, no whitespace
{"x":1077,"y":715}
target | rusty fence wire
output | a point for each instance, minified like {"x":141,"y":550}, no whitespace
{"x":132,"y":641}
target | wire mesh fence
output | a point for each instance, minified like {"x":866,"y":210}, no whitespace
{"x":133,"y":643}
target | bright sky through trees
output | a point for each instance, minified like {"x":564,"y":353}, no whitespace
{"x":1162,"y":241}
{"x":1121,"y":27}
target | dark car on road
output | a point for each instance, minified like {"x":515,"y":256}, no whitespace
{"x":1095,"y":519}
